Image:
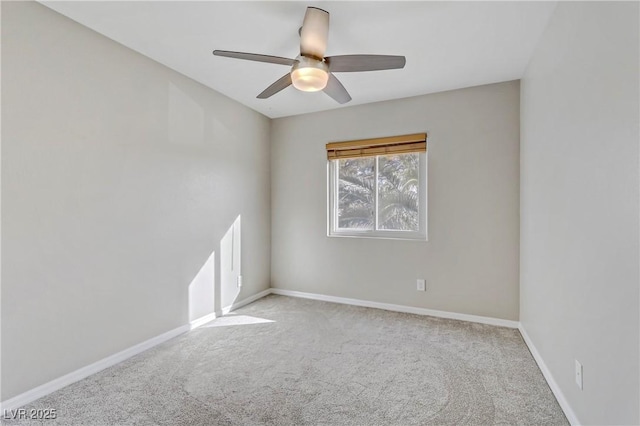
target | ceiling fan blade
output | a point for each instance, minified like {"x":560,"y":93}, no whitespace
{"x":353,"y":63}
{"x":336,"y":90}
{"x":255,"y":57}
{"x":314,"y":33}
{"x":282,"y":83}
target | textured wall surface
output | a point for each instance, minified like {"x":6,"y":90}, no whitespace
{"x":471,"y":259}
{"x":120,"y":178}
{"x":579,"y":240}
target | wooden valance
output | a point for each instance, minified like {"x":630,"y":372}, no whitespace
{"x":404,"y":144}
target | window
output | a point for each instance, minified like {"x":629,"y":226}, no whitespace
{"x":378,"y":188}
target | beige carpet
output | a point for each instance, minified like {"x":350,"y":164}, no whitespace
{"x":286,"y":361}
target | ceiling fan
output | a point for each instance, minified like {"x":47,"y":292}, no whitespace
{"x":311,"y":71}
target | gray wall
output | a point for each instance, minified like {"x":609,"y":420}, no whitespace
{"x":120,"y":178}
{"x":471,"y":260}
{"x":579,"y":206}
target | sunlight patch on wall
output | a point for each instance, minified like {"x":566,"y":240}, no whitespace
{"x":230,"y":264}
{"x":201,"y":290}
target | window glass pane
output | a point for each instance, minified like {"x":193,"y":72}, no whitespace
{"x":398,"y":192}
{"x":356,"y":193}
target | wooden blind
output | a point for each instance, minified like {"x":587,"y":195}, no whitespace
{"x":416,"y":142}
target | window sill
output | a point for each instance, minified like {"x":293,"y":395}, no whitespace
{"x":381,"y":236}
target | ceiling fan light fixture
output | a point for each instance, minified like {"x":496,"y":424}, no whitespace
{"x":309,"y":75}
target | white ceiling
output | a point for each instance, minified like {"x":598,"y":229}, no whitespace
{"x":448,"y":45}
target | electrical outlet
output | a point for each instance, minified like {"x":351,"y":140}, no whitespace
{"x":239,"y":280}
{"x":578,"y":374}
{"x":421,"y":285}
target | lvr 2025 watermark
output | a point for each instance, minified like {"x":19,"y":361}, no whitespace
{"x":30,"y":414}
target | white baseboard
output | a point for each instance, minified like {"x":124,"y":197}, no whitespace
{"x":564,"y":404}
{"x":202,"y":320}
{"x":246,"y":301}
{"x":56,"y":384}
{"x":398,"y":308}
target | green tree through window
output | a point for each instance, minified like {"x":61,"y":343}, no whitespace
{"x":395,"y":179}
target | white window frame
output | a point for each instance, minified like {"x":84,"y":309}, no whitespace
{"x":332,"y":211}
